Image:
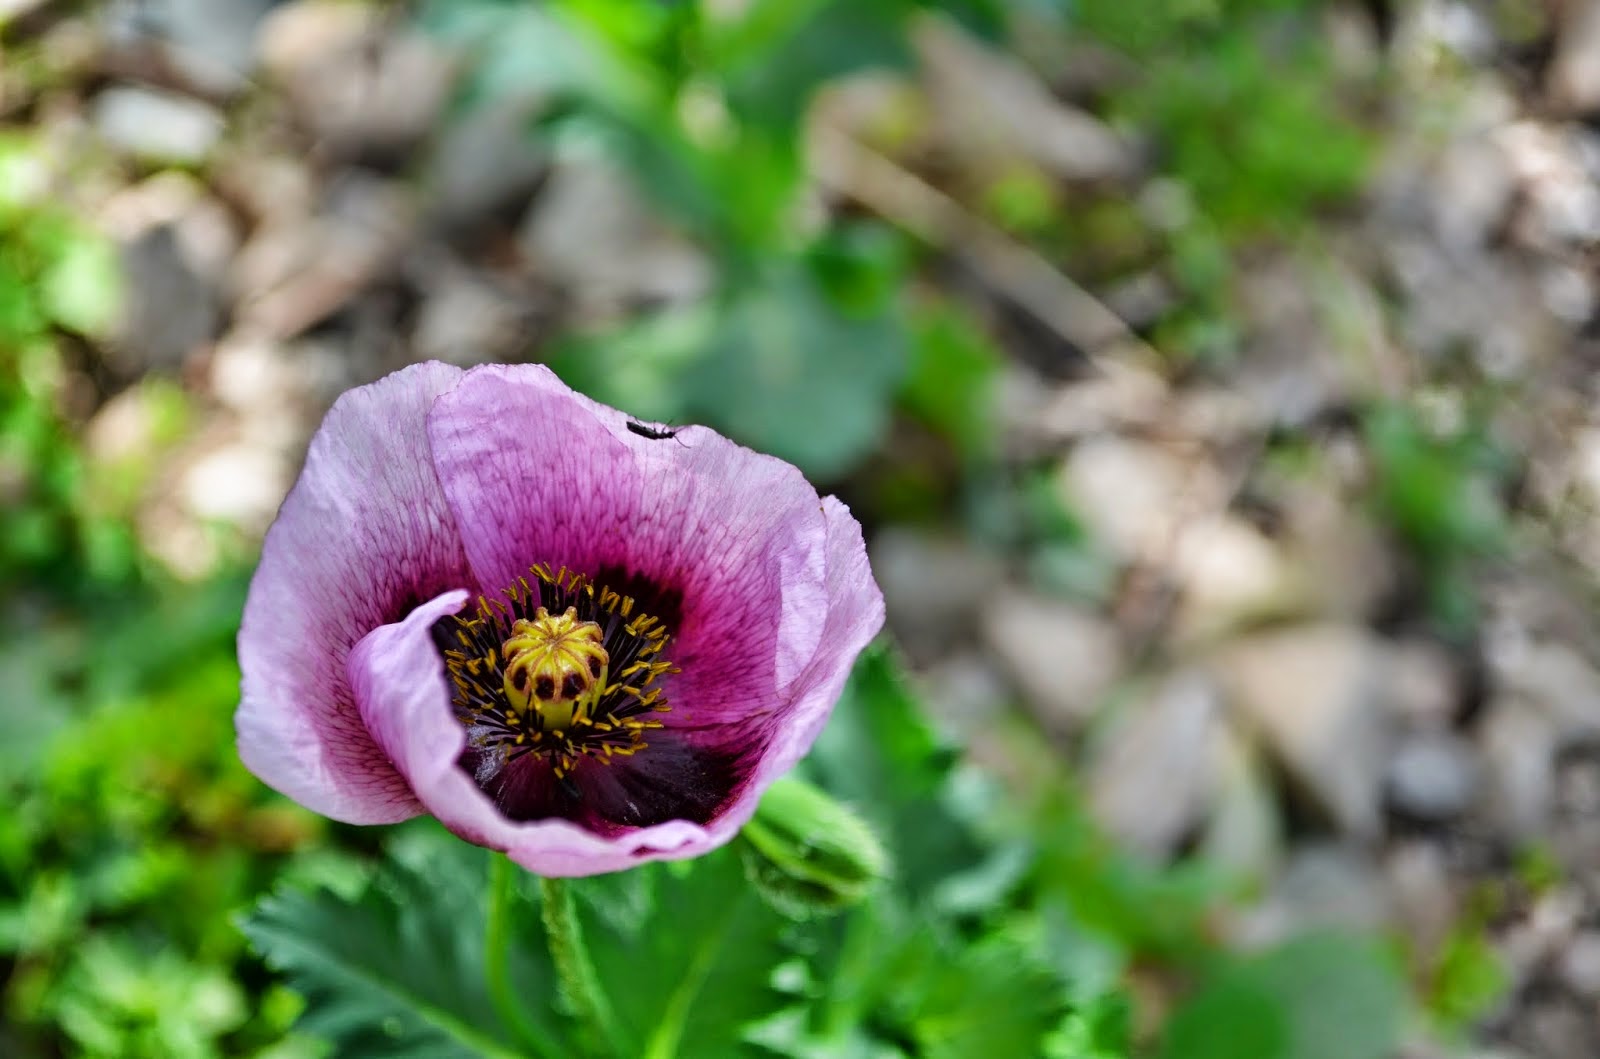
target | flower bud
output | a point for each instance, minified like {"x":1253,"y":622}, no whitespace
{"x":808,"y":854}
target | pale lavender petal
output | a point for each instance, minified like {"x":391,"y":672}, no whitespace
{"x":854,"y":616}
{"x":404,"y":696}
{"x":364,"y":536}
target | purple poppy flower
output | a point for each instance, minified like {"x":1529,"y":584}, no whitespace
{"x":487,"y":599}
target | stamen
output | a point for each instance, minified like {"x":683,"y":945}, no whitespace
{"x":558,"y":667}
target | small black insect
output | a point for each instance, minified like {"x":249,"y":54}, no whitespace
{"x":654,"y":433}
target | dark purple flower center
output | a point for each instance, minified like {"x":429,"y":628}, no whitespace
{"x":560,"y":668}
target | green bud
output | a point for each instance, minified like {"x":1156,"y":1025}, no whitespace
{"x":808,"y":854}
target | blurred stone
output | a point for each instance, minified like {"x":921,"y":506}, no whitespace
{"x":483,"y":161}
{"x":1323,"y":886}
{"x":934,"y":586}
{"x":1292,"y":368}
{"x":123,"y":429}
{"x":1148,"y":783}
{"x":1519,"y":745}
{"x":212,"y":42}
{"x":1454,"y":301}
{"x":964,"y":693}
{"x":1230,"y":574}
{"x":249,"y":374}
{"x":1432,"y":777}
{"x":1133,"y":495}
{"x":1560,"y":202}
{"x":356,"y":77}
{"x":1313,"y":694}
{"x":206,"y":234}
{"x":155,"y":125}
{"x":1470,"y":192}
{"x":1580,"y":964}
{"x":1568,"y":292}
{"x":1533,"y":942}
{"x":1424,"y":687}
{"x":594,"y":234}
{"x":292,"y":275}
{"x":1243,"y":833}
{"x":1350,"y":566}
{"x":1553,"y":1026}
{"x":1063,"y":657}
{"x":1424,"y":893}
{"x":1573,"y":77}
{"x":241,"y":484}
{"x":465,"y":318}
{"x":169,"y":308}
{"x":990,"y":107}
{"x":1551,"y":676}
{"x":1117,"y":396}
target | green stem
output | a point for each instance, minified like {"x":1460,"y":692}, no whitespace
{"x":497,"y":956}
{"x":571,"y":957}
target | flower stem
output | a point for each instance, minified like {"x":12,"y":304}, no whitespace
{"x":497,"y":955}
{"x":571,"y":957}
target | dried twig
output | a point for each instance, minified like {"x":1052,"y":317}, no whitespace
{"x":847,"y":167}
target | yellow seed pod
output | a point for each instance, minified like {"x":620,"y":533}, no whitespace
{"x":556,"y":666}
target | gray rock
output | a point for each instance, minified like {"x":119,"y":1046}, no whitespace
{"x":1573,"y":80}
{"x":1425,"y":893}
{"x":1423,"y":685}
{"x":1323,"y":886}
{"x":1132,"y":495}
{"x":1063,"y":658}
{"x":1432,"y":777}
{"x":964,"y":693}
{"x":158,"y":126}
{"x":1519,"y":745}
{"x":1243,"y":833}
{"x":1552,"y":676}
{"x":593,"y":233}
{"x":211,"y":41}
{"x":482,"y":161}
{"x":356,"y":77}
{"x":933,"y":586}
{"x":169,"y":309}
{"x":990,"y":105}
{"x":1580,"y":964}
{"x":1312,"y":693}
{"x":1149,"y":781}
{"x":466,"y":318}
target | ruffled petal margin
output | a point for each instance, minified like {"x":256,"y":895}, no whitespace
{"x":364,"y":536}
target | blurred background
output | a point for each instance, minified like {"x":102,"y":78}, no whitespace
{"x":1216,"y":380}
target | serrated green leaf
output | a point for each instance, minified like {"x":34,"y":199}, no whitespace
{"x":399,"y":970}
{"x":699,"y":971}
{"x":891,"y":982}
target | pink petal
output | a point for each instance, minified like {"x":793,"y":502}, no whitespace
{"x":364,"y":536}
{"x":404,"y":696}
{"x":537,"y":473}
{"x":855,"y":615}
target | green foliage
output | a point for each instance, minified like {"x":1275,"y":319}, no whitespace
{"x":1321,"y":997}
{"x":1469,"y":977}
{"x":1439,"y":492}
{"x":398,"y":970}
{"x":954,"y":367}
{"x":56,"y":277}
